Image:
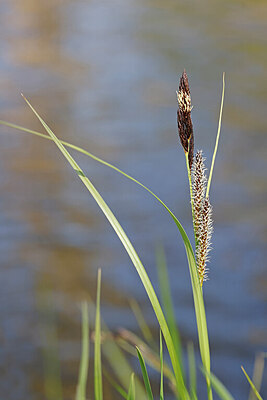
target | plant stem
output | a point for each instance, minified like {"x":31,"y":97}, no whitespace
{"x":217,"y":139}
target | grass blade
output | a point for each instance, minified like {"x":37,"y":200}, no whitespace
{"x":258,"y":373}
{"x":252,"y":385}
{"x":217,"y":139}
{"x":165,"y":292}
{"x":117,"y":360}
{"x":133,"y":255}
{"x":115,"y":385}
{"x":192,"y":371}
{"x":145,"y":375}
{"x":161,"y":390}
{"x":98,"y":366}
{"x":84,"y":363}
{"x":218,"y":386}
{"x":131,"y":392}
{"x":141,"y":321}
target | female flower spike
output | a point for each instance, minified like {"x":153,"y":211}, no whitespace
{"x":202,"y":216}
{"x":199,"y":189}
{"x":204,"y":241}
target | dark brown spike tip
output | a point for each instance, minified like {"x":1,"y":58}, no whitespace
{"x":184,"y":85}
{"x":185,"y":126}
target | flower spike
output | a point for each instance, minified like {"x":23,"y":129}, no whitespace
{"x":185,"y":126}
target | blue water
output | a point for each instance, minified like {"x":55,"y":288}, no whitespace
{"x":104,"y":75}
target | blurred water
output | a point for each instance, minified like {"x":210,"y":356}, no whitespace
{"x":103,"y":75}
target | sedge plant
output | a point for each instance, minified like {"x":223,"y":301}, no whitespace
{"x":197,"y":257}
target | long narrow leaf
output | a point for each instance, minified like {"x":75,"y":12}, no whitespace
{"x":115,"y":357}
{"x":165,"y":292}
{"x":161,"y":390}
{"x":217,"y":139}
{"x":84,"y":363}
{"x":258,"y":373}
{"x":218,"y":386}
{"x":145,"y":375}
{"x":134,"y":257}
{"x":192,"y":370}
{"x":141,"y":321}
{"x":252,"y":385}
{"x":98,"y":366}
{"x":131,"y":392}
{"x":115,"y":385}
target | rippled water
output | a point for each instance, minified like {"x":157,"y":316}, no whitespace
{"x":103,"y":75}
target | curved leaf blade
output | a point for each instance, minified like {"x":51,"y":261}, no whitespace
{"x":84,"y":362}
{"x":98,"y":364}
{"x":217,"y":139}
{"x":253,"y":387}
{"x":161,"y":390}
{"x":218,"y":386}
{"x":192,"y":370}
{"x":145,"y":375}
{"x":131,"y":392}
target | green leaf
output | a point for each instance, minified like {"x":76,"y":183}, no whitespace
{"x":115,"y":385}
{"x":166,"y":298}
{"x":115,"y":357}
{"x":258,"y":373}
{"x":218,"y":386}
{"x":53,"y":387}
{"x":131,"y":392}
{"x":133,"y":255}
{"x":192,"y":371}
{"x":145,"y":375}
{"x":161,"y":390}
{"x":141,"y":320}
{"x":252,"y":384}
{"x":217,"y":140}
{"x":98,"y":366}
{"x":84,"y":362}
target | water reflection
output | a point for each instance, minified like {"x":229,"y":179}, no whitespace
{"x":104,"y":76}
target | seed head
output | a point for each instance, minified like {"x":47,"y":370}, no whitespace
{"x":199,"y":188}
{"x":204,"y":241}
{"x":185,"y":126}
{"x":202,"y":216}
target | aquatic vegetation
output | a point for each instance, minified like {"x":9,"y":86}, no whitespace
{"x":197,"y":263}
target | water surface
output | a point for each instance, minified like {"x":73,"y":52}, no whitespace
{"x":103,"y":75}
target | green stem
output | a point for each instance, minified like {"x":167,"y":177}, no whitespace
{"x":217,"y":139}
